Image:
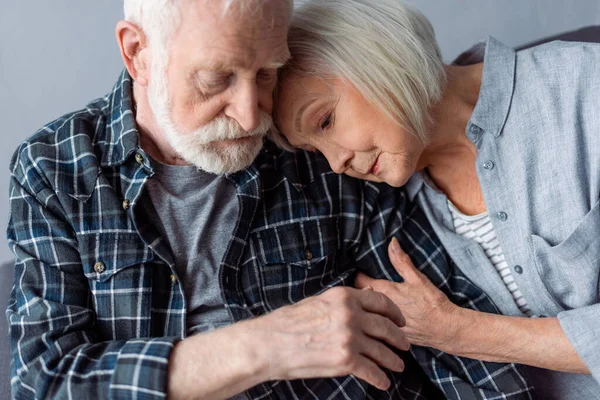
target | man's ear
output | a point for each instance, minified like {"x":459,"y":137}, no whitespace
{"x":133,"y":44}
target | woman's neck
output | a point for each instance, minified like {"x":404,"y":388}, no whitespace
{"x":449,"y":158}
{"x":450,"y":116}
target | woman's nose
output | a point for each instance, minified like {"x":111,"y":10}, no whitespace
{"x":339,"y":159}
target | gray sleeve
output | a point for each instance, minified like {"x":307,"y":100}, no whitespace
{"x":582,"y":327}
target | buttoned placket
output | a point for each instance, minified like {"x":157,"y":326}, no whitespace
{"x":143,"y":167}
{"x":499,"y":205}
{"x":467,"y":254}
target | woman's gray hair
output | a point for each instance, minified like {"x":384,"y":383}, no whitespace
{"x":386,"y":49}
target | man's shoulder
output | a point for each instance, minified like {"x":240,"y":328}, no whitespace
{"x":304,"y":168}
{"x":299,"y":166}
{"x":306,"y":171}
{"x":63,"y":147}
{"x":312,"y":178}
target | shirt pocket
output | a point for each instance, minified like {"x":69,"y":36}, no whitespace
{"x":119,"y":273}
{"x":298,"y":260}
{"x":570,"y":270}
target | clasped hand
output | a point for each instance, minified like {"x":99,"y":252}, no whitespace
{"x":344,"y":330}
{"x":341,"y":332}
{"x":427,"y":310}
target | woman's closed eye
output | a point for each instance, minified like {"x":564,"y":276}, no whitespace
{"x":326,"y":122}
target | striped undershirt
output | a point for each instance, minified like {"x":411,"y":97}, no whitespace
{"x":479,"y":228}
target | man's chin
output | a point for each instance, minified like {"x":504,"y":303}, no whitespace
{"x":228,"y":143}
{"x":222,"y":160}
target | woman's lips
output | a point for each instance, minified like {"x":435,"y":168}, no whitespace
{"x":375,"y":168}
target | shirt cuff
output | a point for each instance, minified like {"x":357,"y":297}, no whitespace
{"x":142,"y":369}
{"x":582,"y":328}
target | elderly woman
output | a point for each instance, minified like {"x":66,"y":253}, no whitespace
{"x":504,"y":157}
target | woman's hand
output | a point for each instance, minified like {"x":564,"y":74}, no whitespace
{"x":432,"y":320}
{"x":428,"y":312}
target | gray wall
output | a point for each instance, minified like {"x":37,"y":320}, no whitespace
{"x":458,"y":23}
{"x":55,"y":55}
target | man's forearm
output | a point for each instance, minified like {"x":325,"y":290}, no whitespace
{"x":539,"y":342}
{"x":337,"y":333}
{"x":216,"y":365}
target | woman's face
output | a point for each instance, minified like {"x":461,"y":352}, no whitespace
{"x":356,"y":137}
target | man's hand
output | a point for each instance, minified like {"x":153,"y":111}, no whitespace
{"x":337,"y":333}
{"x":428,"y":311}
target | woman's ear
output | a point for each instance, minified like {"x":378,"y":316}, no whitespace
{"x":133,"y":45}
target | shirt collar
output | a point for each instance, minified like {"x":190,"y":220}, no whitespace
{"x":122,"y":137}
{"x":417,"y":181}
{"x":493,"y":104}
{"x":414,"y":185}
{"x":495,"y":94}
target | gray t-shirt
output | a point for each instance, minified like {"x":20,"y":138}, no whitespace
{"x":196,"y":213}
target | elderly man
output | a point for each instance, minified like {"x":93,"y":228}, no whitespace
{"x":163,"y":249}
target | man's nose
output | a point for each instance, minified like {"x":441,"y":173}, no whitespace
{"x":244,"y":106}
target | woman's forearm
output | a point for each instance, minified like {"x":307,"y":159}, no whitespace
{"x":539,"y":342}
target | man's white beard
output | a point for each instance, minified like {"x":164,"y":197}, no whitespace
{"x":201,"y":146}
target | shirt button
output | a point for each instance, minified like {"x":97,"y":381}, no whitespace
{"x":308,"y":254}
{"x":476,"y":130}
{"x":139,"y":158}
{"x":99,"y":267}
{"x":126,"y":204}
{"x":502,"y":216}
{"x":489,"y":165}
{"x":518,"y":269}
{"x":173,"y":278}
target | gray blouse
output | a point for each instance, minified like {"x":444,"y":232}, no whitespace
{"x":536,"y":126}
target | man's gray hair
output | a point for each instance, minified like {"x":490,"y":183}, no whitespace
{"x":386,"y":49}
{"x":159,"y":19}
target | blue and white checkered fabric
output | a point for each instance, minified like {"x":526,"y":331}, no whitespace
{"x":94,"y":312}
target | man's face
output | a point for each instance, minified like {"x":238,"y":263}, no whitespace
{"x":214,"y":100}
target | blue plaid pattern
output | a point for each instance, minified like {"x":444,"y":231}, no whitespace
{"x":95,"y":313}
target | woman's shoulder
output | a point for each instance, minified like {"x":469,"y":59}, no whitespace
{"x":559,"y":62}
{"x":559,"y":46}
{"x":558,"y":78}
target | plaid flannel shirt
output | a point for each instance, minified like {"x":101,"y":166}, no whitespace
{"x":96,"y":306}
